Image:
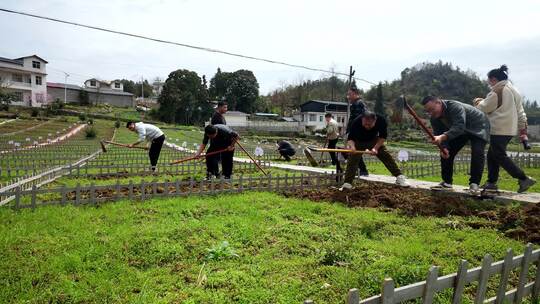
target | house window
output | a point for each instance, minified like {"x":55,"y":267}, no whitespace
{"x":18,"y":96}
{"x":117,"y":85}
{"x":320,"y":118}
{"x":36,"y":64}
{"x":17,"y":77}
{"x":40,"y":97}
{"x":92,"y":83}
{"x":312,"y":117}
{"x":38,"y":80}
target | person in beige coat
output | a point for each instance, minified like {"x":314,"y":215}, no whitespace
{"x":504,"y":108}
{"x":332,"y":136}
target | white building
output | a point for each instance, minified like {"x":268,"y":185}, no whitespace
{"x":311,"y":115}
{"x":26,"y":78}
{"x":236,"y":118}
{"x":104,"y":85}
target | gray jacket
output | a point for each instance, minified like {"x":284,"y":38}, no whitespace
{"x":459,"y":118}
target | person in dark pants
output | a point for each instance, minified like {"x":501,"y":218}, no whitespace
{"x":357,"y":109}
{"x":368,"y":133}
{"x":286,"y":149}
{"x":152,"y":134}
{"x":504,"y":108}
{"x":332,"y":136}
{"x":218,"y":118}
{"x":454,"y":125}
{"x":220,"y":137}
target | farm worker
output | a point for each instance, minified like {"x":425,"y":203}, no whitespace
{"x":332,"y":136}
{"x":357,"y":108}
{"x":221,"y":137}
{"x":151,"y":134}
{"x":286,"y":149}
{"x":504,"y":108}
{"x":218,"y":118}
{"x":368,"y":132}
{"x":454,"y":124}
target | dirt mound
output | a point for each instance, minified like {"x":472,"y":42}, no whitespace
{"x":519,"y":222}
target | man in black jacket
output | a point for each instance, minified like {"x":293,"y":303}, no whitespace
{"x":218,"y":118}
{"x":454,"y":124}
{"x":357,"y":109}
{"x":220,"y":137}
{"x":286,"y":149}
{"x":368,"y":133}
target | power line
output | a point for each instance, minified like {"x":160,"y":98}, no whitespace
{"x":181,"y":44}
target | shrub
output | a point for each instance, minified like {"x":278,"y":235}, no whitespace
{"x":35,"y":112}
{"x":90,"y":121}
{"x":82,"y":116}
{"x":117,"y":124}
{"x":90,"y":132}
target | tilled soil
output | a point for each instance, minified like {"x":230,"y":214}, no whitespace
{"x":518,"y":222}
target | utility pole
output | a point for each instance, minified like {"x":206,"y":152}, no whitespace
{"x":142,"y":89}
{"x":65,"y":87}
{"x":351,"y":73}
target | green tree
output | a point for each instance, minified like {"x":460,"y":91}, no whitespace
{"x":5,"y":99}
{"x":379,"y":101}
{"x":128,"y":85}
{"x":219,"y":84}
{"x":242,"y":91}
{"x":184,"y":99}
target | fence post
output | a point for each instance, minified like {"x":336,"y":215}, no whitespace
{"x":460,"y":282}
{"x":63,"y":195}
{"x":117,"y":191}
{"x":507,"y":267}
{"x":33,"y":199}
{"x":92,"y":194}
{"x":353,"y":297}
{"x":536,"y":287}
{"x":241,"y":183}
{"x":482,"y":281}
{"x":523,"y":273}
{"x":387,"y":294}
{"x":431,"y":280}
{"x":130,"y":190}
{"x":78,"y":194}
{"x":143,"y":190}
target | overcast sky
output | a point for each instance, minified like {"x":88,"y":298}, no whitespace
{"x":378,"y":38}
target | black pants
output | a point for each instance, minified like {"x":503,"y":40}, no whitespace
{"x":212,"y":162}
{"x":287,"y":153}
{"x":155,"y":150}
{"x":477,"y":158}
{"x":496,"y":158}
{"x":332,"y":145}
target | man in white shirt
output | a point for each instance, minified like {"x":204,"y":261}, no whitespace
{"x":149,"y":133}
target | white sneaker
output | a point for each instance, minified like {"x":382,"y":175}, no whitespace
{"x":474,"y":189}
{"x":345,"y":186}
{"x":401,"y":180}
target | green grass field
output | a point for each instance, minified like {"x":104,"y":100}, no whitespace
{"x":281,"y":250}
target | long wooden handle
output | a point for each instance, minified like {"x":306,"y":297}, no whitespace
{"x":197,"y":157}
{"x":254,"y":161}
{"x":124,"y":145}
{"x":420,"y":122}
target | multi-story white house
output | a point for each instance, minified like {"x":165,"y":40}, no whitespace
{"x":311,"y":114}
{"x":26,"y":79}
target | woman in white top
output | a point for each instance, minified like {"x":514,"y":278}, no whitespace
{"x":504,"y":108}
